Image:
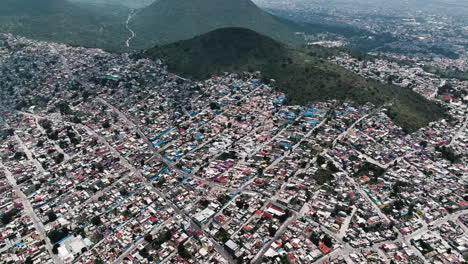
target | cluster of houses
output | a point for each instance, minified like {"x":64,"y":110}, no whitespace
{"x":113,"y":160}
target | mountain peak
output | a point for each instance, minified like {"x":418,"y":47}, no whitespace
{"x":226,"y":49}
{"x":167,"y":21}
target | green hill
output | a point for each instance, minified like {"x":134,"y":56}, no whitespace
{"x":61,"y":21}
{"x":302,"y":77}
{"x":28,"y":7}
{"x":167,"y":21}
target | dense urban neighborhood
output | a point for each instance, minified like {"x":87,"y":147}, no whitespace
{"x":418,"y":28}
{"x":105,"y":158}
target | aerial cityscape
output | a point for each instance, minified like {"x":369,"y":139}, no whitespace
{"x":226,"y":149}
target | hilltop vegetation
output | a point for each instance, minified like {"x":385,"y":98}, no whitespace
{"x":126,"y":3}
{"x":101,"y":23}
{"x":62,"y":21}
{"x":230,"y":49}
{"x":302,"y":77}
{"x":33,"y":8}
{"x":167,"y":21}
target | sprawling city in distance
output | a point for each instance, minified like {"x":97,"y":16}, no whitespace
{"x":233,"y":131}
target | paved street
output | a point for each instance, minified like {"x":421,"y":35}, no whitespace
{"x":30,"y":212}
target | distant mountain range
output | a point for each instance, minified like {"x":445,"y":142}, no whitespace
{"x":166,"y":21}
{"x":303,"y":77}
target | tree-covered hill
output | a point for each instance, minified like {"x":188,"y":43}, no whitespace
{"x":302,"y":77}
{"x":62,"y":21}
{"x":167,"y":21}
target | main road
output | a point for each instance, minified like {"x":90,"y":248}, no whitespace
{"x":39,"y":226}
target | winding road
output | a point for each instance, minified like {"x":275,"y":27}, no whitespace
{"x":133,"y":34}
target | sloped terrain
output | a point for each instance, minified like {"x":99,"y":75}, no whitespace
{"x":302,"y":77}
{"x":61,"y":21}
{"x":167,"y":21}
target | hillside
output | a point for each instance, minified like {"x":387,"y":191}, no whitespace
{"x":167,"y":21}
{"x":61,"y":21}
{"x":125,"y":3}
{"x":28,"y":7}
{"x":302,"y":77}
